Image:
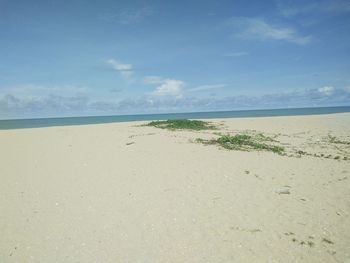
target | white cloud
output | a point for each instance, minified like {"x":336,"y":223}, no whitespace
{"x":173,"y":87}
{"x":126,"y":70}
{"x":12,"y":106}
{"x":166,"y":87}
{"x":207,"y":87}
{"x":255,"y":28}
{"x":42,"y":100}
{"x":326,"y":91}
{"x":169,"y":87}
{"x":45,"y":104}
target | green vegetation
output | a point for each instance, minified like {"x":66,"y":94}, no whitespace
{"x":300,"y":152}
{"x":333,"y":139}
{"x":310,"y":243}
{"x":182,"y":125}
{"x":326,"y":240}
{"x":244,"y":142}
{"x":262,"y":137}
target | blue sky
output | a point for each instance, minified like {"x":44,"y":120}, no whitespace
{"x":73,"y":58}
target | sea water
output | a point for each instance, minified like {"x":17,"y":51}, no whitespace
{"x":48,"y":122}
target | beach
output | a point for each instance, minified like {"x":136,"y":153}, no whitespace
{"x":125,"y":192}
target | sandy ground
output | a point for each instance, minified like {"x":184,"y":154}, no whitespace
{"x":124,"y":193}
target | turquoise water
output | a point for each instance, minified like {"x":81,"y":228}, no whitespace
{"x":48,"y":122}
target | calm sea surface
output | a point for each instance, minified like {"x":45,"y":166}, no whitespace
{"x":47,"y":122}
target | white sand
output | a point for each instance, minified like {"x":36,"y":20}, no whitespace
{"x":80,"y":194}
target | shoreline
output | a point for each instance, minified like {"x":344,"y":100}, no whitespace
{"x":213,"y":120}
{"x":66,"y":121}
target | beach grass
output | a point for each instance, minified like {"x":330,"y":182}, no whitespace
{"x":333,"y":139}
{"x":182,"y":125}
{"x":244,"y":142}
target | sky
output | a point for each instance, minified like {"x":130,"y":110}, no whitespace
{"x":110,"y":57}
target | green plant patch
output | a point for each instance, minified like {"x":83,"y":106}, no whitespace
{"x":244,"y":142}
{"x":333,"y":139}
{"x":182,"y":125}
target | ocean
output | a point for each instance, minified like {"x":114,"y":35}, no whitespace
{"x":49,"y":122}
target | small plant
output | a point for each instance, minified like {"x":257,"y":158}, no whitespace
{"x":244,"y":142}
{"x":300,"y":152}
{"x":310,"y":243}
{"x":182,"y":125}
{"x":328,"y":241}
{"x":333,"y":139}
{"x":206,"y":142}
{"x":262,"y":137}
